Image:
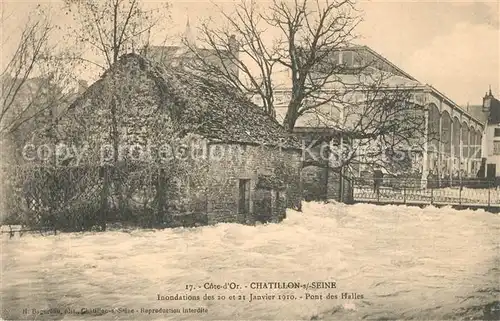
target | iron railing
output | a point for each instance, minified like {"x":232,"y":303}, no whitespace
{"x":478,"y":193}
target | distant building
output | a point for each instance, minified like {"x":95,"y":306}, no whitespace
{"x":454,"y":154}
{"x":490,"y":115}
{"x":185,"y":53}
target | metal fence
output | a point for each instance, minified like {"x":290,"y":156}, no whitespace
{"x":473,"y":193}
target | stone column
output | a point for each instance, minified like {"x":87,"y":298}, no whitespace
{"x":452,"y":150}
{"x":468,"y":159}
{"x":461,"y":153}
{"x":425,"y":153}
{"x":440,"y":148}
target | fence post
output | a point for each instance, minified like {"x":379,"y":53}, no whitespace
{"x":460,"y":195}
{"x":489,"y":194}
{"x":404,"y":194}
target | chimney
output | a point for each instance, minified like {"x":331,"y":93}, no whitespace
{"x":233,"y":45}
{"x":234,"y":48}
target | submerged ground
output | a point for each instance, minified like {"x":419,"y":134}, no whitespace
{"x":405,"y":262}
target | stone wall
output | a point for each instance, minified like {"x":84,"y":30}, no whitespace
{"x":230,"y":163}
{"x":319,"y":182}
{"x":314,"y":183}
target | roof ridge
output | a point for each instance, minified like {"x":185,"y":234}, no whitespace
{"x":379,"y":55}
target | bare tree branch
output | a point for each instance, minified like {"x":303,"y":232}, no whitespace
{"x":31,"y":48}
{"x":113,"y":27}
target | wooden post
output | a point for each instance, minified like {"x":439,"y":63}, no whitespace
{"x":490,"y":187}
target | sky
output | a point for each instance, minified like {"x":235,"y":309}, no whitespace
{"x":451,"y":45}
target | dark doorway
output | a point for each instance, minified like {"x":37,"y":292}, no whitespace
{"x":244,"y":196}
{"x":491,"y":170}
{"x":263,"y":205}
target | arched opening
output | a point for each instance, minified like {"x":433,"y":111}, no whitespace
{"x":456,"y":148}
{"x":446,"y":133}
{"x":433,"y":130}
{"x":433,"y":140}
{"x":480,"y":167}
{"x":477,"y":144}
{"x":472,"y":151}
{"x":465,"y":148}
{"x":456,"y":137}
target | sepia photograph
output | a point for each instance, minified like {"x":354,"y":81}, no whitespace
{"x":250,"y":160}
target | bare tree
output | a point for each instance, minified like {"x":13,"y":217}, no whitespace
{"x":36,"y":85}
{"x":293,"y":47}
{"x":29,"y":53}
{"x":308,"y":33}
{"x":111,"y":28}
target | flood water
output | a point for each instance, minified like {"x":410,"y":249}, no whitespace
{"x":387,"y":262}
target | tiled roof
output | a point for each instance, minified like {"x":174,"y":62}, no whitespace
{"x":477,"y":112}
{"x":208,"y":108}
{"x":370,"y":77}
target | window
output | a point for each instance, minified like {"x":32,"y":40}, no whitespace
{"x":496,"y":148}
{"x":358,"y":59}
{"x":497,"y":132}
{"x":337,"y":58}
{"x":347,"y":58}
{"x":244,"y":196}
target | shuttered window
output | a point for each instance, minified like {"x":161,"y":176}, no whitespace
{"x":496,"y":148}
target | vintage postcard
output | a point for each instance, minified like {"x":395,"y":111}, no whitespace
{"x":250,"y":160}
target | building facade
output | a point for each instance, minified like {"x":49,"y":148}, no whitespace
{"x":491,"y":136}
{"x":187,"y":54}
{"x":452,"y":149}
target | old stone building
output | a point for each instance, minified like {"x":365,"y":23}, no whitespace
{"x":237,"y":164}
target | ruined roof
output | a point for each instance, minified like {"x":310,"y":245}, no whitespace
{"x":207,"y":108}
